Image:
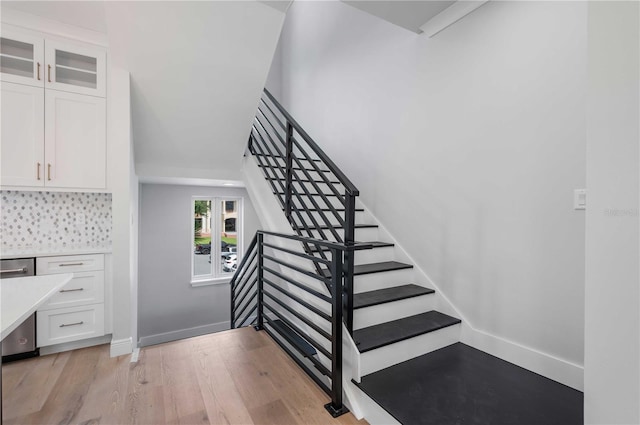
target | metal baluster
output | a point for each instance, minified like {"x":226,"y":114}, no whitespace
{"x":259,"y":299}
{"x":289,"y":176}
{"x":336,"y":408}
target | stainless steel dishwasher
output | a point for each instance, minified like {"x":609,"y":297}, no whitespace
{"x":21,"y":343}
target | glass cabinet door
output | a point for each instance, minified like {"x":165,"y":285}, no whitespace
{"x":21,"y":58}
{"x":75,"y":69}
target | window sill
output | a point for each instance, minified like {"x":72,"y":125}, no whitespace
{"x":211,"y":281}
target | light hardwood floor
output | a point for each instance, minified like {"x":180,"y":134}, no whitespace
{"x":232,"y":377}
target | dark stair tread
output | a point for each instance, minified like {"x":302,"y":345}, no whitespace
{"x":282,"y":157}
{"x":312,"y":194}
{"x":375,"y":244}
{"x":305,"y":180}
{"x":293,"y":337}
{"x":396,"y":293}
{"x":383,"y":266}
{"x":478,"y":389}
{"x":356,"y":226}
{"x":377,"y":336}
{"x":296,"y":169}
{"x":329,"y":209}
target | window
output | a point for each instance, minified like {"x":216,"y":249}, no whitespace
{"x":216,"y":238}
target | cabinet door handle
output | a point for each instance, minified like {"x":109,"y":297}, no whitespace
{"x":38,"y":71}
{"x":38,"y":171}
{"x":64,"y":325}
{"x":72,"y":290}
{"x":22,"y":270}
{"x":70,"y":264}
{"x":49,"y":72}
{"x":49,"y":172}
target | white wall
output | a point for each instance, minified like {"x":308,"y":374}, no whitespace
{"x":168,"y":306}
{"x":467,"y":147}
{"x":274,"y":79}
{"x":133,"y":245}
{"x":612,"y":323}
{"x":119,"y":177}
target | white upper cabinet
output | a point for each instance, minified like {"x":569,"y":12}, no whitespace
{"x":26,"y":58}
{"x":53,"y":116}
{"x":22,"y":135}
{"x":21,"y":58}
{"x":75,"y":134}
{"x":75,"y":69}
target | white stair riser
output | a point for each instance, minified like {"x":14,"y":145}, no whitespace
{"x":322,"y":187}
{"x":331,"y":201}
{"x":382,"y":313}
{"x":363,"y":234}
{"x":372,"y":411}
{"x":359,"y":216}
{"x":374,"y":281}
{"x":401,"y":351}
{"x":374,"y":255}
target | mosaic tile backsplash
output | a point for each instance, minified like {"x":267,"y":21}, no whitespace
{"x":32,"y":222}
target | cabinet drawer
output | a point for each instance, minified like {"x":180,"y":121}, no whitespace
{"x":69,"y":324}
{"x":85,"y":288}
{"x":69,"y":264}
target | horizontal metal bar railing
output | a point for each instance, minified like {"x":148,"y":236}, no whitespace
{"x":287,"y":279}
{"x":304,"y":319}
{"x":299,"y":300}
{"x":351,"y":188}
{"x":268,"y":292}
{"x":299,"y":331}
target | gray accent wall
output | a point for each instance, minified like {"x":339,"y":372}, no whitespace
{"x":169,"y":307}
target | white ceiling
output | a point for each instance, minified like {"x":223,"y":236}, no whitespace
{"x":407,"y":14}
{"x":197,"y":71}
{"x":281,"y":5}
{"x":84,"y":14}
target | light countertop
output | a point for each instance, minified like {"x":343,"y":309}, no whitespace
{"x":27,"y":253}
{"x":21,"y":296}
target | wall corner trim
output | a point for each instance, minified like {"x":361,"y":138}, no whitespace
{"x":450,"y":16}
{"x":121,"y":347}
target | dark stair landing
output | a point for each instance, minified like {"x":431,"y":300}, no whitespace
{"x":461,"y":385}
{"x":377,"y":336}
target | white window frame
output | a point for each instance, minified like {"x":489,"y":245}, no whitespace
{"x":217,"y":276}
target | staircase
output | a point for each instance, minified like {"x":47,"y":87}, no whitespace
{"x":397,"y":326}
{"x":390,"y":311}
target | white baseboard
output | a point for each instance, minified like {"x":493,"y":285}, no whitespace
{"x":121,"y":347}
{"x":183,"y":333}
{"x":559,"y":370}
{"x":75,"y":345}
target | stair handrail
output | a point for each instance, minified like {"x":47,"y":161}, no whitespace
{"x":350,"y":188}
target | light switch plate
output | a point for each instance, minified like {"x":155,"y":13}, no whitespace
{"x":580,"y":199}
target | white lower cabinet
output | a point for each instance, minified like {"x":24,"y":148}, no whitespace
{"x":77,"y":311}
{"x":69,"y":324}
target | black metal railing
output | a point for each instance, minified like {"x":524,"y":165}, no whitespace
{"x":276,"y":289}
{"x":318,"y":200}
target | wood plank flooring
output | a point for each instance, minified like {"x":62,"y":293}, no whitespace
{"x":233,"y":377}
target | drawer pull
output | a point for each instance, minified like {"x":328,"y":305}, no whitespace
{"x":71,"y":264}
{"x":72,"y":290}
{"x":71,"y":324}
{"x":22,"y":270}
